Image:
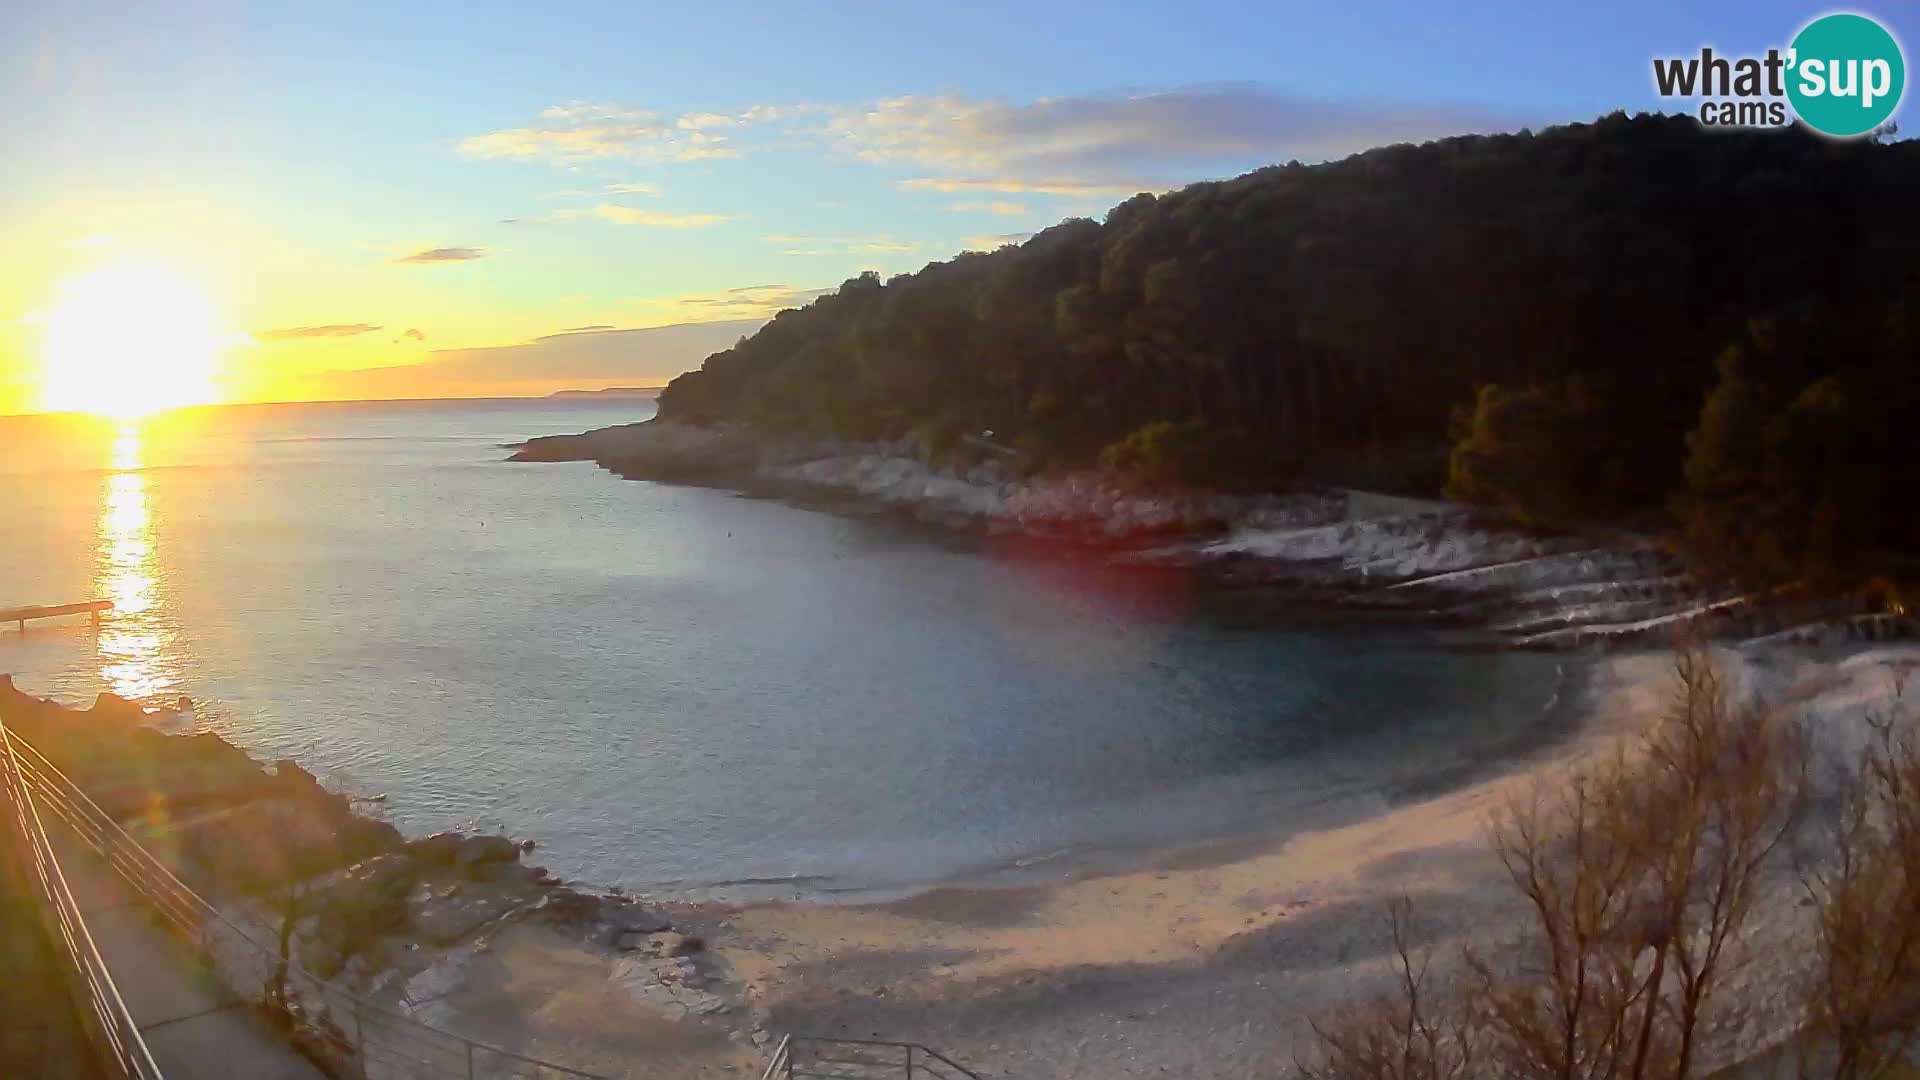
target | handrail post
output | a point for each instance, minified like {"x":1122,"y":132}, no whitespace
{"x":359,"y":1040}
{"x":469,"y":1061}
{"x":909,"y":1061}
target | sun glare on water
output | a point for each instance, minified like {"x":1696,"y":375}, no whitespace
{"x":127,"y":342}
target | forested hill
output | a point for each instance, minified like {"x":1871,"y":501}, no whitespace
{"x":1561,"y":308}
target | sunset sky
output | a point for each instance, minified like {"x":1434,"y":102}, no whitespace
{"x":381,"y":200}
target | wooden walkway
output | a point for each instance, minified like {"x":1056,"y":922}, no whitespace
{"x":22,"y":614}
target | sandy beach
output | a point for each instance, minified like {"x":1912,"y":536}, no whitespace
{"x":1204,"y":963}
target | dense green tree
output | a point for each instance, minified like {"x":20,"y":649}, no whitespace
{"x":1281,"y":325}
{"x":1795,"y":468}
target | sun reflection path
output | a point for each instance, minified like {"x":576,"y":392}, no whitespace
{"x":134,"y":645}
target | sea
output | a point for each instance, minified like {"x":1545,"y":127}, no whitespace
{"x":690,"y":692}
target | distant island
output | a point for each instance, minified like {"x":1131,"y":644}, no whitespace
{"x":609,"y":392}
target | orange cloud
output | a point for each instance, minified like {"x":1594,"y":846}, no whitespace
{"x":445,"y":254}
{"x":660,"y":219}
{"x":332,"y":330}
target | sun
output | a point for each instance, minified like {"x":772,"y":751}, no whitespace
{"x":129,"y":341}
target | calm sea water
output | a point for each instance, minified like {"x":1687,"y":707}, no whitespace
{"x":678,"y":688}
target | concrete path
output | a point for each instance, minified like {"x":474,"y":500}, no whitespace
{"x":41,"y":1033}
{"x":194,"y":1026}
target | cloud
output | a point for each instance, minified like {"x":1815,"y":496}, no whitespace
{"x":633,"y":189}
{"x":1078,"y":147}
{"x":588,"y":131}
{"x":579,"y":330}
{"x":1120,"y":145}
{"x":581,"y":359}
{"x":572,"y":133}
{"x":445,"y":254}
{"x":554,"y":218}
{"x":840,"y":245}
{"x":415,"y":335}
{"x":332,"y":330}
{"x":994,"y":241}
{"x":759,"y":300}
{"x":627,"y":215}
{"x":580,"y":112}
{"x":1056,"y":186}
{"x":1002,"y":209}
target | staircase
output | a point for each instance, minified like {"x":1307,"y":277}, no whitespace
{"x":804,"y":1057}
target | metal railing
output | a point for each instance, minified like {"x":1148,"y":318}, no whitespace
{"x":804,"y":1057}
{"x":349,"y":1035}
{"x":109,"y":1023}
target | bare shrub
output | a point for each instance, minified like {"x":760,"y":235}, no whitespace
{"x":1424,"y":1029}
{"x":1565,"y":1005}
{"x":1722,"y":786}
{"x":1638,"y":872}
{"x":1863,"y":999}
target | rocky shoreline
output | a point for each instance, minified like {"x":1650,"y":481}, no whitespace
{"x":372,"y":913}
{"x":1432,"y":562}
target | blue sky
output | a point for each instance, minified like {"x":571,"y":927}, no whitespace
{"x":628,"y":165}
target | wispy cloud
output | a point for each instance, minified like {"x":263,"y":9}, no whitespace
{"x":554,"y":218}
{"x":442,"y":255}
{"x":760,"y":301}
{"x":659,"y":219}
{"x":994,"y":241}
{"x":581,"y":329}
{"x":1063,"y":154}
{"x":1056,"y":186}
{"x":415,"y":335}
{"x":591,"y":131}
{"x":998,"y":208}
{"x":331,"y":330}
{"x":1119,"y":145}
{"x":572,"y":133}
{"x":803,"y":244}
{"x":585,"y":360}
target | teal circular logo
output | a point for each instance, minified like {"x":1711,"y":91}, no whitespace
{"x":1845,"y":74}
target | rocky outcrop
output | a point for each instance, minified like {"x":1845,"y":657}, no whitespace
{"x":682,"y":987}
{"x":475,"y":851}
{"x":441,"y":848}
{"x":1434,"y":562}
{"x":358,"y":907}
{"x":451,"y":915}
{"x":653,"y":450}
{"x":197,"y":796}
{"x":273,"y":844}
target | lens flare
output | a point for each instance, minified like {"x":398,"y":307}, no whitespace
{"x":127,"y":342}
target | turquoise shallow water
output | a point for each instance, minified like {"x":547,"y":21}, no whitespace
{"x":685,"y":689}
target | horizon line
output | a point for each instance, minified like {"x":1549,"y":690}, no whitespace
{"x":323,"y":401}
